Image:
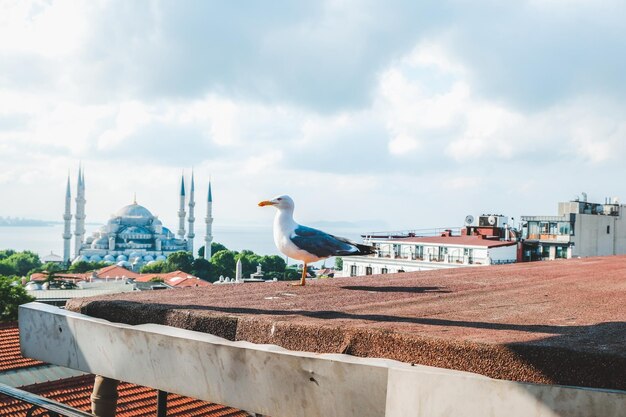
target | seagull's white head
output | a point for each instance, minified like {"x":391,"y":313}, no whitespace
{"x":282,"y":202}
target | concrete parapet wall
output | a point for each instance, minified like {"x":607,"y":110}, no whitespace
{"x":273,"y":381}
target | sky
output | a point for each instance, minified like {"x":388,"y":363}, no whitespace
{"x":392,"y":115}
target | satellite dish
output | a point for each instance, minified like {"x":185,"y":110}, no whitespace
{"x":469,"y":219}
{"x":492,"y":220}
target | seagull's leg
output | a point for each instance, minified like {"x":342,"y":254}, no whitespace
{"x":303,"y":279}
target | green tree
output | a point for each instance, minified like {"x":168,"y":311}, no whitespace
{"x":84,"y":266}
{"x":215,"y":247}
{"x":249,"y":262}
{"x":12,"y":294}
{"x":292,"y":273}
{"x":180,"y":261}
{"x":22,"y":262}
{"x":49,"y":267}
{"x":6,"y":253}
{"x":203,"y":269}
{"x":339,"y":263}
{"x":6,"y":269}
{"x":157,"y":267}
{"x":224,"y":263}
{"x":273,"y":263}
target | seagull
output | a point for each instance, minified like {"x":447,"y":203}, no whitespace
{"x":305,"y":243}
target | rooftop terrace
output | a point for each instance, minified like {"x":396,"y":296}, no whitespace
{"x":560,"y":322}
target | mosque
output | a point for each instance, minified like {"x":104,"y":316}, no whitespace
{"x":133,"y":236}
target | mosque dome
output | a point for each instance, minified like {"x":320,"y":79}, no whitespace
{"x":134,"y":255}
{"x":95,"y":258}
{"x":168,"y":233}
{"x":81,"y":258}
{"x":101,"y":242}
{"x":135,"y":232}
{"x":124,"y":264}
{"x":121,"y":258}
{"x":109,"y":258}
{"x":161,"y":258}
{"x":148,"y":258}
{"x":134,"y":210}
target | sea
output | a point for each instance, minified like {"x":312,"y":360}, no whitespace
{"x":257,"y":238}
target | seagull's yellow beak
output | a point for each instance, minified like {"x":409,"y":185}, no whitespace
{"x":266,"y":203}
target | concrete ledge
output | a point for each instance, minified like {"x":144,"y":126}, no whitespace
{"x":270,"y":380}
{"x":265,"y":379}
{"x":427,"y":393}
{"x":559,"y":322}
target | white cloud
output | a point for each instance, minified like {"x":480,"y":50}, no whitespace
{"x":130,"y":117}
{"x":402,"y":144}
{"x":48,"y":29}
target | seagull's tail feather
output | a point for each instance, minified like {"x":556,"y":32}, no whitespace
{"x":360,"y":250}
{"x":365,"y":249}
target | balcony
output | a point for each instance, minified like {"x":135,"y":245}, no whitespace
{"x":549,"y":237}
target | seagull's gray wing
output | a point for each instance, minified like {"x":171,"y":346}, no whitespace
{"x":322,"y":244}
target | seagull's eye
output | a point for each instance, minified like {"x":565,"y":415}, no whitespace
{"x":279,"y":199}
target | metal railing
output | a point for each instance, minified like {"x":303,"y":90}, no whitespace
{"x":41,"y":406}
{"x":45,"y":407}
{"x":410,"y":233}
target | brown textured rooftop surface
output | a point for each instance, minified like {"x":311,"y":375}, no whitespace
{"x":558,"y":322}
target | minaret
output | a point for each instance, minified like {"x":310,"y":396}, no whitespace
{"x":79,"y":232}
{"x":208,"y":238}
{"x":192,"y":204}
{"x":67,"y":220}
{"x":181,"y":209}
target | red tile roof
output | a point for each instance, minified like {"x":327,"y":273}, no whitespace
{"x":456,"y":240}
{"x":177,"y":279}
{"x":134,"y":400}
{"x":10,"y":356}
{"x":39,"y":276}
{"x":113,"y":271}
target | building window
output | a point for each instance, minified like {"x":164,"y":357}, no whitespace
{"x":368,"y":270}
{"x":384,"y":271}
{"x":353,"y":270}
{"x":608,"y":230}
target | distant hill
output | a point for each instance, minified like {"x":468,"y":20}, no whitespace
{"x":21,"y":222}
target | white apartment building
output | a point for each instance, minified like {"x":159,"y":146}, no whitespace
{"x":581,"y":229}
{"x":484,"y":242}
